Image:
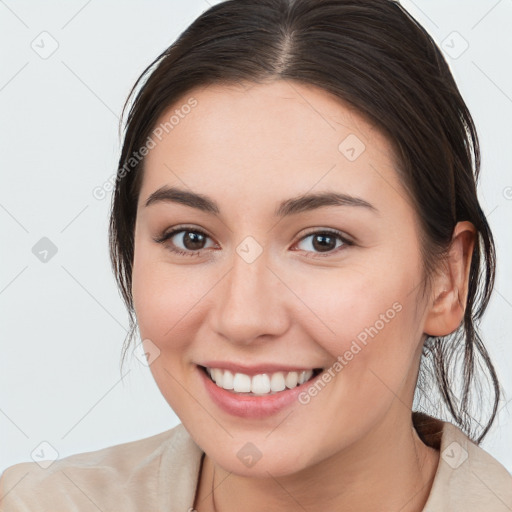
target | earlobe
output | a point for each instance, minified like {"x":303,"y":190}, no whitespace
{"x":446,"y":309}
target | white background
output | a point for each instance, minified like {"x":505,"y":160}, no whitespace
{"x":63,"y":322}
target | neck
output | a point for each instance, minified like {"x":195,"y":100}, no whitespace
{"x":389,"y":469}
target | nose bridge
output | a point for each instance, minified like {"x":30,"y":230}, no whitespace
{"x":248,"y":303}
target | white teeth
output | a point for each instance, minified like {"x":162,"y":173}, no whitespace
{"x":305,"y":376}
{"x":241,"y":383}
{"x":277,"y":382}
{"x":292,"y":379}
{"x":261,"y":384}
{"x":217,"y":376}
{"x":227,"y":380}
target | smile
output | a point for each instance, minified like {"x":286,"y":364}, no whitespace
{"x":256,"y":392}
{"x":260,"y":384}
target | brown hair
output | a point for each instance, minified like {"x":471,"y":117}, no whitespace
{"x":374,"y":56}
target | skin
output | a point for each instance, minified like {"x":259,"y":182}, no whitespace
{"x":353,"y":446}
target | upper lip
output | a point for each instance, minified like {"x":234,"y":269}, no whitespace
{"x":256,"y":369}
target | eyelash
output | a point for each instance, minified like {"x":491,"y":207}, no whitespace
{"x":180,"y":229}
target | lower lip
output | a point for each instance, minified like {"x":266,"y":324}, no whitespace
{"x":257,"y":406}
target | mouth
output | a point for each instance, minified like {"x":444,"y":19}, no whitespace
{"x":261,"y":384}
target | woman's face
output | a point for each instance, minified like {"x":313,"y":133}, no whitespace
{"x":299,"y":252}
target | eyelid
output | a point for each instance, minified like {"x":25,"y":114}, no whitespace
{"x":166,"y":234}
{"x":319,"y":230}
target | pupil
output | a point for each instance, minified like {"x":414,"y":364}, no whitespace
{"x":323,"y":247}
{"x":194,"y":238}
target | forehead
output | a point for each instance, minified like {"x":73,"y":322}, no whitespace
{"x":276,"y":139}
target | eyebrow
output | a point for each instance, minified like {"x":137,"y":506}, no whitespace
{"x":292,"y":206}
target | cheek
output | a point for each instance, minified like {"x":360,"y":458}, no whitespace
{"x":365,"y":318}
{"x":166,"y":301}
{"x":349,"y":304}
{"x":166,"y":297}
{"x":373,"y":345}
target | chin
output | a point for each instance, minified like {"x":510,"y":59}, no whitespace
{"x":274,"y":464}
{"x":256,"y":457}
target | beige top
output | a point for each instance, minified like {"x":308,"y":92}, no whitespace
{"x":160,"y":473}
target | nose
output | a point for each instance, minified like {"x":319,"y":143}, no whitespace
{"x":250,"y":303}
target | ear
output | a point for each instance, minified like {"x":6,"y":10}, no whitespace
{"x":448,"y":302}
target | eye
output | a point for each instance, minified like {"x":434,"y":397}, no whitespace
{"x":325,"y":241}
{"x":191,"y":240}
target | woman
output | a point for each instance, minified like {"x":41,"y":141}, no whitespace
{"x":296,"y":229}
